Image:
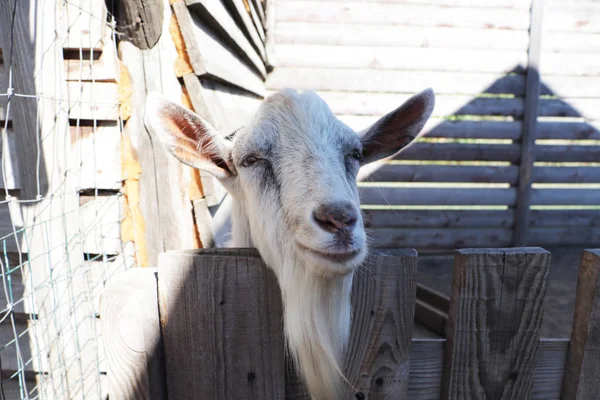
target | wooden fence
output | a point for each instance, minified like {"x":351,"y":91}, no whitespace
{"x":511,"y":154}
{"x":215,"y":330}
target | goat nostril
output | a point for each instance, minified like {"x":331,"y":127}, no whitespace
{"x":335,"y":217}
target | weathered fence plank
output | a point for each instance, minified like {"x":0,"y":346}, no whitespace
{"x":384,"y":172}
{"x":583,"y":361}
{"x":399,"y":36}
{"x":436,"y":238}
{"x":461,"y":152}
{"x":565,"y":236}
{"x":494,"y":322}
{"x":421,"y":219}
{"x":132,"y":341}
{"x":375,"y":195}
{"x":562,"y":174}
{"x":225,"y":307}
{"x":530,"y":117}
{"x":382,"y":81}
{"x":383,"y":298}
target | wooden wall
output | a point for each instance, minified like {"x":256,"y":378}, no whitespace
{"x":460,"y":185}
{"x":60,"y":224}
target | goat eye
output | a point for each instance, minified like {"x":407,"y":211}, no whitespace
{"x":356,"y":154}
{"x":249,"y":161}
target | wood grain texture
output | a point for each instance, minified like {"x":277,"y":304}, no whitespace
{"x":374,"y":195}
{"x":129,"y":316}
{"x":436,"y":238}
{"x":163,"y":184}
{"x":583,"y":361}
{"x":221,"y":318}
{"x":392,"y":81}
{"x":402,"y":14}
{"x":141,"y":22}
{"x":494,"y":324}
{"x":383,"y":295}
{"x":399,"y":36}
{"x":210,"y":57}
{"x":218,"y":18}
{"x":388,"y":57}
{"x":566,"y":236}
{"x":530,"y":116}
{"x":439,"y":218}
{"x":383,"y":172}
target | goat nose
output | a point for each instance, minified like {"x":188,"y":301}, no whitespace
{"x":334,"y":217}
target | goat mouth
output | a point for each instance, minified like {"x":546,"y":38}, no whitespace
{"x":340,"y":257}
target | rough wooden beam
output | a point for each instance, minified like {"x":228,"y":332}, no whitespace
{"x":528,"y":148}
{"x":583,"y":360}
{"x":129,"y":316}
{"x":141,"y":22}
{"x":495,"y":316}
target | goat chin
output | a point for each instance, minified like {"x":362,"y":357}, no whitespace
{"x":317,"y":316}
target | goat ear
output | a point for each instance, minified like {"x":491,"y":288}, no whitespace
{"x":396,"y":130}
{"x":188,"y":137}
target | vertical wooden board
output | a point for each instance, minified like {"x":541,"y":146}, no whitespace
{"x":130,"y":321}
{"x":383,"y":295}
{"x":221,"y":318}
{"x":10,"y":166}
{"x":583,"y":360}
{"x":530,"y":116}
{"x":495,"y":315}
{"x":93,"y":101}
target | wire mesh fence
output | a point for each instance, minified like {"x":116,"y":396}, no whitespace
{"x":60,"y":217}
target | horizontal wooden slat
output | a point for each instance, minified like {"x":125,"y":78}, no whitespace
{"x":576,"y":236}
{"x":102,"y":70}
{"x":85,"y":23}
{"x":457,"y":129}
{"x":216,"y":16}
{"x":421,"y":59}
{"x":587,"y":108}
{"x":461,"y":152}
{"x":524,"y":4}
{"x":572,"y":17}
{"x":238,"y":11}
{"x":97,"y":154}
{"x":563,"y":153}
{"x":565,"y":218}
{"x":210,"y":57}
{"x":440,"y":238}
{"x":420,"y":219}
{"x":368,"y":80}
{"x":570,"y":86}
{"x":566,"y":174}
{"x":93,"y":100}
{"x":568,"y":130}
{"x":570,"y":64}
{"x":101,"y":222}
{"x":398,"y":36}
{"x":437,"y":196}
{"x":353,"y":103}
{"x":570,"y":42}
{"x":559,"y":197}
{"x":401,"y":14}
{"x":439,"y":173}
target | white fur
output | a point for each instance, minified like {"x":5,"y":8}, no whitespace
{"x":305,"y":163}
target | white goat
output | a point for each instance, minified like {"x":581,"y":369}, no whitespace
{"x":292,"y":176}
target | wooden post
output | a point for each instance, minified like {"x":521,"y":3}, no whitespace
{"x":583,"y":360}
{"x":163,"y":198}
{"x":532,"y":96}
{"x":383,"y":302}
{"x":495,"y":315}
{"x":221,"y":321}
{"x":131,"y":336}
{"x":142,"y":22}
